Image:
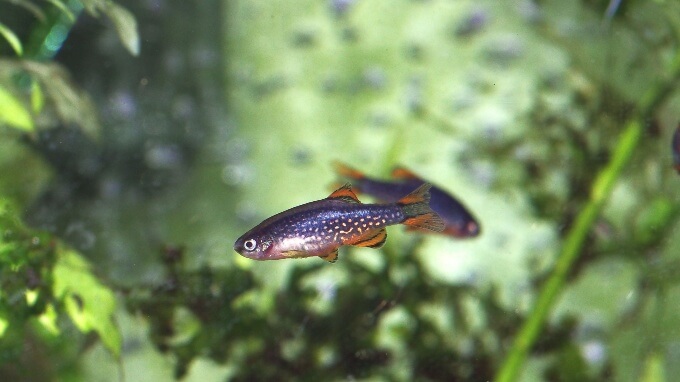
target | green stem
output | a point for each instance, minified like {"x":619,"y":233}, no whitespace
{"x":571,"y":249}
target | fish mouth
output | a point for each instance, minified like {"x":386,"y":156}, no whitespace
{"x":467,"y":230}
{"x":238,"y":245}
{"x":473,"y":229}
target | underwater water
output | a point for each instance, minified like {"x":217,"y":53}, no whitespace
{"x":142,"y":139}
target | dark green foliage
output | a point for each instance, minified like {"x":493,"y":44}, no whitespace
{"x":37,"y":275}
{"x":26,"y":263}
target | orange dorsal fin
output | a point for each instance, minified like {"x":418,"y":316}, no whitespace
{"x":404,"y":173}
{"x":344,"y":193}
{"x":347,"y":172}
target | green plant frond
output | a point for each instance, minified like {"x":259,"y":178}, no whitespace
{"x":123,"y":21}
{"x":12,"y":39}
{"x":51,"y":89}
{"x":126,"y":26}
{"x":72,"y":105}
{"x":30,"y":7}
{"x":13,"y":112}
{"x":64,"y":9}
{"x":89,"y":303}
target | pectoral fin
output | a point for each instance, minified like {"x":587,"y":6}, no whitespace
{"x":374,"y":239}
{"x":331,"y":257}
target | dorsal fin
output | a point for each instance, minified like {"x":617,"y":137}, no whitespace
{"x":404,"y":173}
{"x":348,"y":172}
{"x":344,"y":193}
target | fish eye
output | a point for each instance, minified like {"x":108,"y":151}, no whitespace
{"x":250,"y":244}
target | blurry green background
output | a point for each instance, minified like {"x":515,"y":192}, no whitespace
{"x":141,"y":138}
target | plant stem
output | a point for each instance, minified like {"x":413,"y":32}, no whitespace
{"x":604,"y":182}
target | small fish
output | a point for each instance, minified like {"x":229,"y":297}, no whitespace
{"x":459,"y":221}
{"x":319,"y":228}
{"x":675,"y":147}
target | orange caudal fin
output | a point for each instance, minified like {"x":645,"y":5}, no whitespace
{"x":416,"y":208}
{"x":347,"y":172}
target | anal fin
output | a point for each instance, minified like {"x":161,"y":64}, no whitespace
{"x":374,"y":239}
{"x":331,"y":257}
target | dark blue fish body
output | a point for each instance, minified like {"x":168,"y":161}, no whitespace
{"x":675,"y":147}
{"x":319,"y":228}
{"x":459,"y":221}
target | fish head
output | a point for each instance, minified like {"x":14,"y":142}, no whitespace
{"x":254,"y":246}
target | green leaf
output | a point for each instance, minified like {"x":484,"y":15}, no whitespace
{"x":30,"y":7}
{"x":12,"y":39}
{"x":31,"y":297}
{"x":654,"y":220}
{"x":88,"y":302}
{"x":653,"y":371}
{"x":13,"y":113}
{"x":37,"y":97}
{"x":72,"y":105}
{"x":4,"y":323}
{"x":48,"y":320}
{"x":126,"y":26}
{"x":64,"y":9}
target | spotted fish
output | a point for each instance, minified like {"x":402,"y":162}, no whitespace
{"x":319,"y":228}
{"x":458,"y":220}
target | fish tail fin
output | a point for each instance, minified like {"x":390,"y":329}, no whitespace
{"x":416,"y":209}
{"x":347,"y":172}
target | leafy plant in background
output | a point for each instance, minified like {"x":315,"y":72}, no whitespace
{"x":44,"y":281}
{"x":28,"y":83}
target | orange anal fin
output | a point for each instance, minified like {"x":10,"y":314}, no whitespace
{"x":344,"y":193}
{"x":374,"y":239}
{"x":346,"y":171}
{"x":404,"y":173}
{"x":331,"y":257}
